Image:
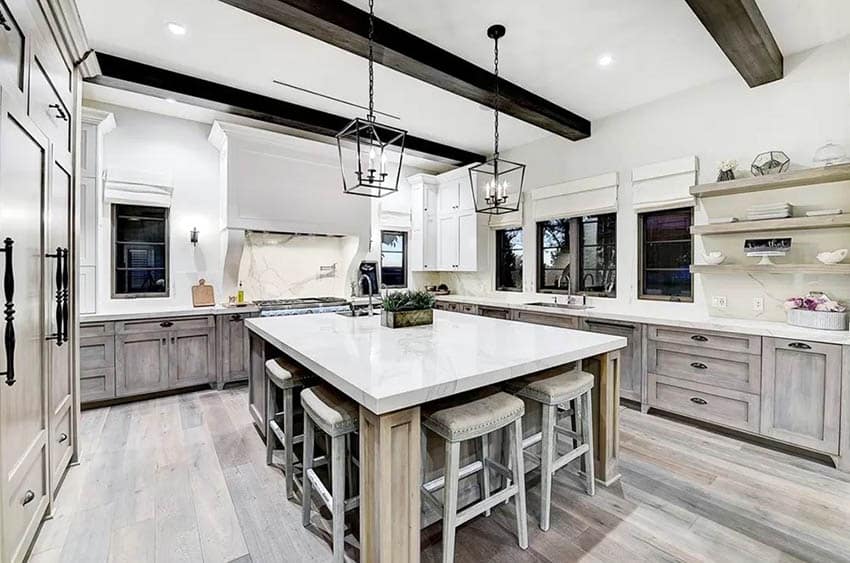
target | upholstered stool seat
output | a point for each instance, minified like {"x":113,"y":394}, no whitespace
{"x":474,"y":416}
{"x":284,"y":378}
{"x":553,"y":386}
{"x":338,"y":417}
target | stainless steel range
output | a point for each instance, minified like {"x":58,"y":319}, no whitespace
{"x":301,"y":306}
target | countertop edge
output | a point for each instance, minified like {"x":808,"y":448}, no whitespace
{"x":162,"y":313}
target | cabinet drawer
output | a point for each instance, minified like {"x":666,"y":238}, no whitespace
{"x":26,"y":503}
{"x":97,"y":385}
{"x":61,"y":445}
{"x":706,"y":339}
{"x":494,"y":312}
{"x":47,"y":109}
{"x":729,"y":370}
{"x":704,"y":402}
{"x":467,"y":308}
{"x":544,"y":319}
{"x":96,"y":329}
{"x":97,"y":352}
{"x":157,"y":325}
{"x":11,"y":49}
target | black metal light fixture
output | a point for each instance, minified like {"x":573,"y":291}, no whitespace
{"x":497,"y":183}
{"x":193,"y":236}
{"x":370,"y":154}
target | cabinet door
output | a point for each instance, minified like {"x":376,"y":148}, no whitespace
{"x":192,"y":357}
{"x":141,"y":363}
{"x":257,"y":382}
{"x":88,"y":221}
{"x":448,"y":199}
{"x":631,"y":371}
{"x":447,"y":250}
{"x":467,"y":256}
{"x":23,"y":416}
{"x":801,"y":393}
{"x":429,"y":242}
{"x":233,"y":348}
{"x":465,"y":200}
{"x":12,"y":51}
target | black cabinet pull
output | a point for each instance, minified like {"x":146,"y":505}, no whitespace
{"x":57,"y":336}
{"x":62,"y":437}
{"x":699,"y":338}
{"x":29,"y":496}
{"x":800,"y":346}
{"x":66,"y":294}
{"x":166,"y":324}
{"x":699,"y":401}
{"x":698,"y":365}
{"x":4,"y":23}
{"x":235,"y":318}
{"x":9,"y":312}
{"x":60,"y":112}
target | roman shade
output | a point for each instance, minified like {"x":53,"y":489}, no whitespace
{"x":576,"y":198}
{"x":664,"y":185}
{"x":130,"y":187}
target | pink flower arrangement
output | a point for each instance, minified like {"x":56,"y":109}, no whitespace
{"x":815,"y":302}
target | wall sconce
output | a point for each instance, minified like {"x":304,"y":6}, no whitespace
{"x":193,"y":236}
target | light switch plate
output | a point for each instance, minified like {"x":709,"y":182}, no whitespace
{"x":718,"y":301}
{"x":758,"y":304}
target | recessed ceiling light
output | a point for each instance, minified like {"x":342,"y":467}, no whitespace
{"x":605,"y":60}
{"x":176,"y":28}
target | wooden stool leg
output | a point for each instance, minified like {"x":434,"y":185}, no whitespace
{"x":587,"y":438}
{"x":338,"y":496}
{"x":547,"y":460}
{"x":519,"y":478}
{"x":306,"y":487}
{"x":288,"y":439}
{"x":351,"y":488}
{"x":450,"y":492}
{"x":271,"y":408}
{"x":484,"y":482}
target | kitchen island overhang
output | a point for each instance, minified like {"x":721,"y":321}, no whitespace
{"x":391,"y":372}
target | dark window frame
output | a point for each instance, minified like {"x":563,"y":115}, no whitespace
{"x":166,"y":244}
{"x":641,"y":224}
{"x":499,"y":243}
{"x":575,"y":237}
{"x":404,"y":257}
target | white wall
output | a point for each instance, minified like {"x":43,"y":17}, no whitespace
{"x":721,"y":120}
{"x":158,"y":144}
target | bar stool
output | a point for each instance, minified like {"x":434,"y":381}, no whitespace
{"x":284,"y":377}
{"x":554,"y":388}
{"x":468,"y":418}
{"x":339,"y":418}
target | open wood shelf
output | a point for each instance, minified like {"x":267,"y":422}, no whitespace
{"x":792,"y":223}
{"x":792,"y":179}
{"x":842,"y":269}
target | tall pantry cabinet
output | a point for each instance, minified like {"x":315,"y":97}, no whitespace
{"x":39,"y":106}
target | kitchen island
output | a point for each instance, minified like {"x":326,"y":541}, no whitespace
{"x":390,"y":373}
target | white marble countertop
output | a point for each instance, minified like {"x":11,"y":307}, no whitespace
{"x":155,"y":313}
{"x":389,"y":369}
{"x":687,"y":319}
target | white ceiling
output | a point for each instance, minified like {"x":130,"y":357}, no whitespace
{"x":551,"y":49}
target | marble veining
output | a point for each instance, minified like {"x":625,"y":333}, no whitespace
{"x":385,"y":369}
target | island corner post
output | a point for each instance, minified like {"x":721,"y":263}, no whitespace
{"x":390,"y":467}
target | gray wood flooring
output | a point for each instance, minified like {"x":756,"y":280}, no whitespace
{"x":183,"y":478}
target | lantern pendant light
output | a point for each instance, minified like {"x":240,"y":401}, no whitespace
{"x":497,"y":183}
{"x":370,"y":154}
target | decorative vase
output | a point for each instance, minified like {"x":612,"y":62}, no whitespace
{"x":821,"y":320}
{"x":725,"y":175}
{"x":404,"y":319}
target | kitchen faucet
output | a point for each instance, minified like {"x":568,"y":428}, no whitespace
{"x":566,"y":277}
{"x":369,"y":285}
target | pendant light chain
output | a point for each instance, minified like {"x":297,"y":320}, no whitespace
{"x":371,"y":116}
{"x":496,"y":112}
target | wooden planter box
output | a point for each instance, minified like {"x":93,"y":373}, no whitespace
{"x":403,"y":319}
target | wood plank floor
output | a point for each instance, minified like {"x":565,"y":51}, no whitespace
{"x":183,"y":478}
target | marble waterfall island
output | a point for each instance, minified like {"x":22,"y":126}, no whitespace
{"x":390,"y":373}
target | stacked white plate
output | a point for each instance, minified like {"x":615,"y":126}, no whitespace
{"x":770,"y":211}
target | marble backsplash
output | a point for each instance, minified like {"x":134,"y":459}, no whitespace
{"x":281,"y":266}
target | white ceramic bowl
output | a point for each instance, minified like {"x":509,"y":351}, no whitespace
{"x":833,"y":257}
{"x":714,"y":258}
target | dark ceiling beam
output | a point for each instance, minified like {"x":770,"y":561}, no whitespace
{"x":152,"y":81}
{"x":347,"y":27}
{"x":742,"y":33}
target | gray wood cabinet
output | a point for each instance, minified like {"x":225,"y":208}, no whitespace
{"x":191,"y":358}
{"x":631,"y":357}
{"x":141,"y":363}
{"x":233,"y":348}
{"x":494,"y":312}
{"x":549,"y":319}
{"x":257,"y":381}
{"x":801,"y":393}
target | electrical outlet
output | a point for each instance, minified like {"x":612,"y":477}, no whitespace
{"x":758,"y":304}
{"x":718,"y":302}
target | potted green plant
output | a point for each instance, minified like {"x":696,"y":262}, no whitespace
{"x":407,"y":308}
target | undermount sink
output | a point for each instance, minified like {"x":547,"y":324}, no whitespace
{"x":359,"y":313}
{"x":574,"y":306}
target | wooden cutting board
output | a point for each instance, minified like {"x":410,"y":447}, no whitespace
{"x":203,"y":294}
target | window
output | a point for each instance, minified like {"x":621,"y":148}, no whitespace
{"x":509,"y":260}
{"x":666,"y":247}
{"x":140,"y":251}
{"x":394,"y":258}
{"x":594,"y":269}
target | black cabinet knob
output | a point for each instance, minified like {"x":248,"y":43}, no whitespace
{"x":800,"y":346}
{"x":698,"y":365}
{"x":699,"y":401}
{"x":699,"y":338}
